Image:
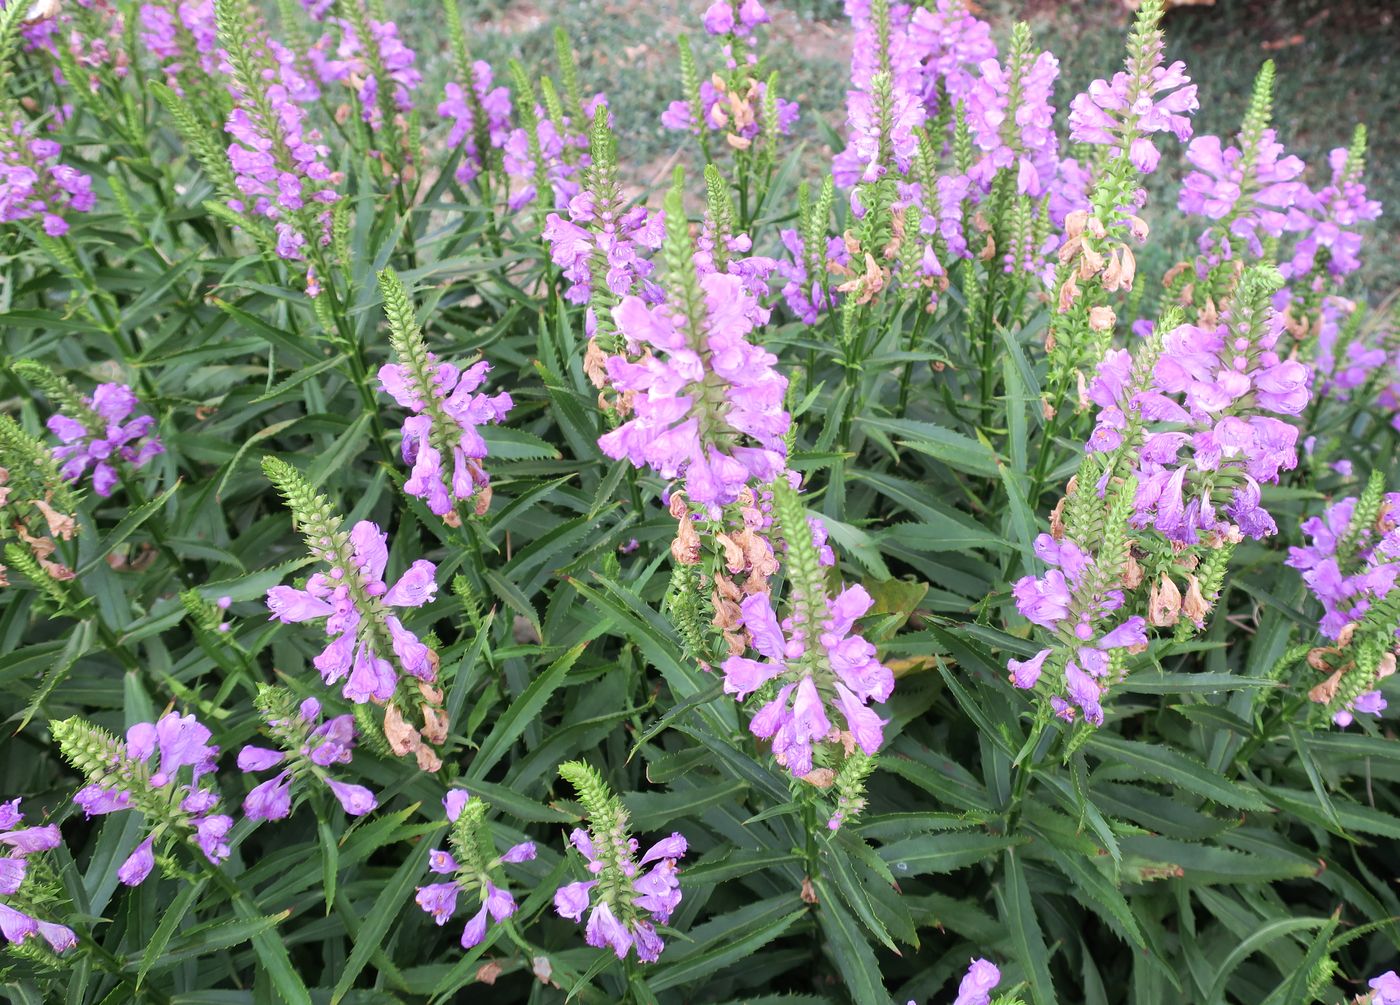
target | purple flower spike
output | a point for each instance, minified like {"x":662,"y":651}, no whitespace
{"x":309,"y":746}
{"x":101,"y":434}
{"x":472,"y":874}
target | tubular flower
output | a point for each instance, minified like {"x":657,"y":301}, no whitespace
{"x":17,"y":921}
{"x":1212,"y":392}
{"x":441,"y":440}
{"x":804,"y":287}
{"x":100,"y":433}
{"x":611,"y":244}
{"x":181,"y":35}
{"x":818,"y":677}
{"x":1352,"y":559}
{"x":1020,"y":138}
{"x":978,"y":983}
{"x":1385,"y":989}
{"x":950,"y":44}
{"x":706,"y":404}
{"x":348,"y":62}
{"x":353,"y":598}
{"x":156,"y":770}
{"x":700,"y":393}
{"x":306,"y":748}
{"x":355,"y":601}
{"x":557,"y":153}
{"x":480,"y":115}
{"x":1078,"y":599}
{"x":1142,"y":99}
{"x":626,"y":903}
{"x":473,"y":867}
{"x":1252,"y":196}
{"x":1327,"y":218}
{"x":34,"y":184}
{"x":279,"y":163}
{"x":735,"y":105}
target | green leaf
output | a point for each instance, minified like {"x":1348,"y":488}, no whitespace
{"x":381,"y":917}
{"x":859,"y":968}
{"x":522,"y":712}
{"x":1167,"y":765}
{"x":1021,"y":924}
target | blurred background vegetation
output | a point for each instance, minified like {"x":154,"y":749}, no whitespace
{"x":1338,"y":64}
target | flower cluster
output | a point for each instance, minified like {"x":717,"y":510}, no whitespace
{"x":122,"y":776}
{"x":354,"y":600}
{"x":698,"y":391}
{"x":440,"y":439}
{"x":545,"y":152}
{"x":307,"y":748}
{"x":100,"y":433}
{"x":479,"y":113}
{"x":351,"y":62}
{"x":1076,"y":599}
{"x":1328,"y":217}
{"x":804,"y":276}
{"x":473,"y":866}
{"x":595,"y":239}
{"x":1209,"y":392}
{"x":34,"y":184}
{"x":279,"y":162}
{"x":1250,"y":194}
{"x":626,"y":903}
{"x":1375,"y":553}
{"x":1142,"y":99}
{"x":16,"y":843}
{"x":735,"y":104}
{"x":181,"y":34}
{"x":816,"y":668}
{"x":1020,"y":138}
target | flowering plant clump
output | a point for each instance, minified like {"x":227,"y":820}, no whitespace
{"x":306,"y":746}
{"x":470,"y":863}
{"x":468,"y":539}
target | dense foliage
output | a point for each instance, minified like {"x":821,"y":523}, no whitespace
{"x":435,"y":571}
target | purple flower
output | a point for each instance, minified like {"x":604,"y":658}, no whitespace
{"x":308,"y":747}
{"x":1385,"y":989}
{"x":167,"y":793}
{"x":1209,"y":389}
{"x":34,"y":185}
{"x":16,"y":924}
{"x":441,"y":441}
{"x":624,"y":923}
{"x":1072,"y":599}
{"x":1142,"y":99}
{"x":479,"y":115}
{"x":353,"y":598}
{"x":978,"y":983}
{"x":473,"y":869}
{"x":612,"y":245}
{"x":347,"y":62}
{"x":1349,"y":583}
{"x":849,"y":672}
{"x":1326,"y":219}
{"x":100,"y":434}
{"x":1250,"y":193}
{"x":279,"y":164}
{"x":138,"y":864}
{"x":700,"y":398}
{"x":564,"y":156}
